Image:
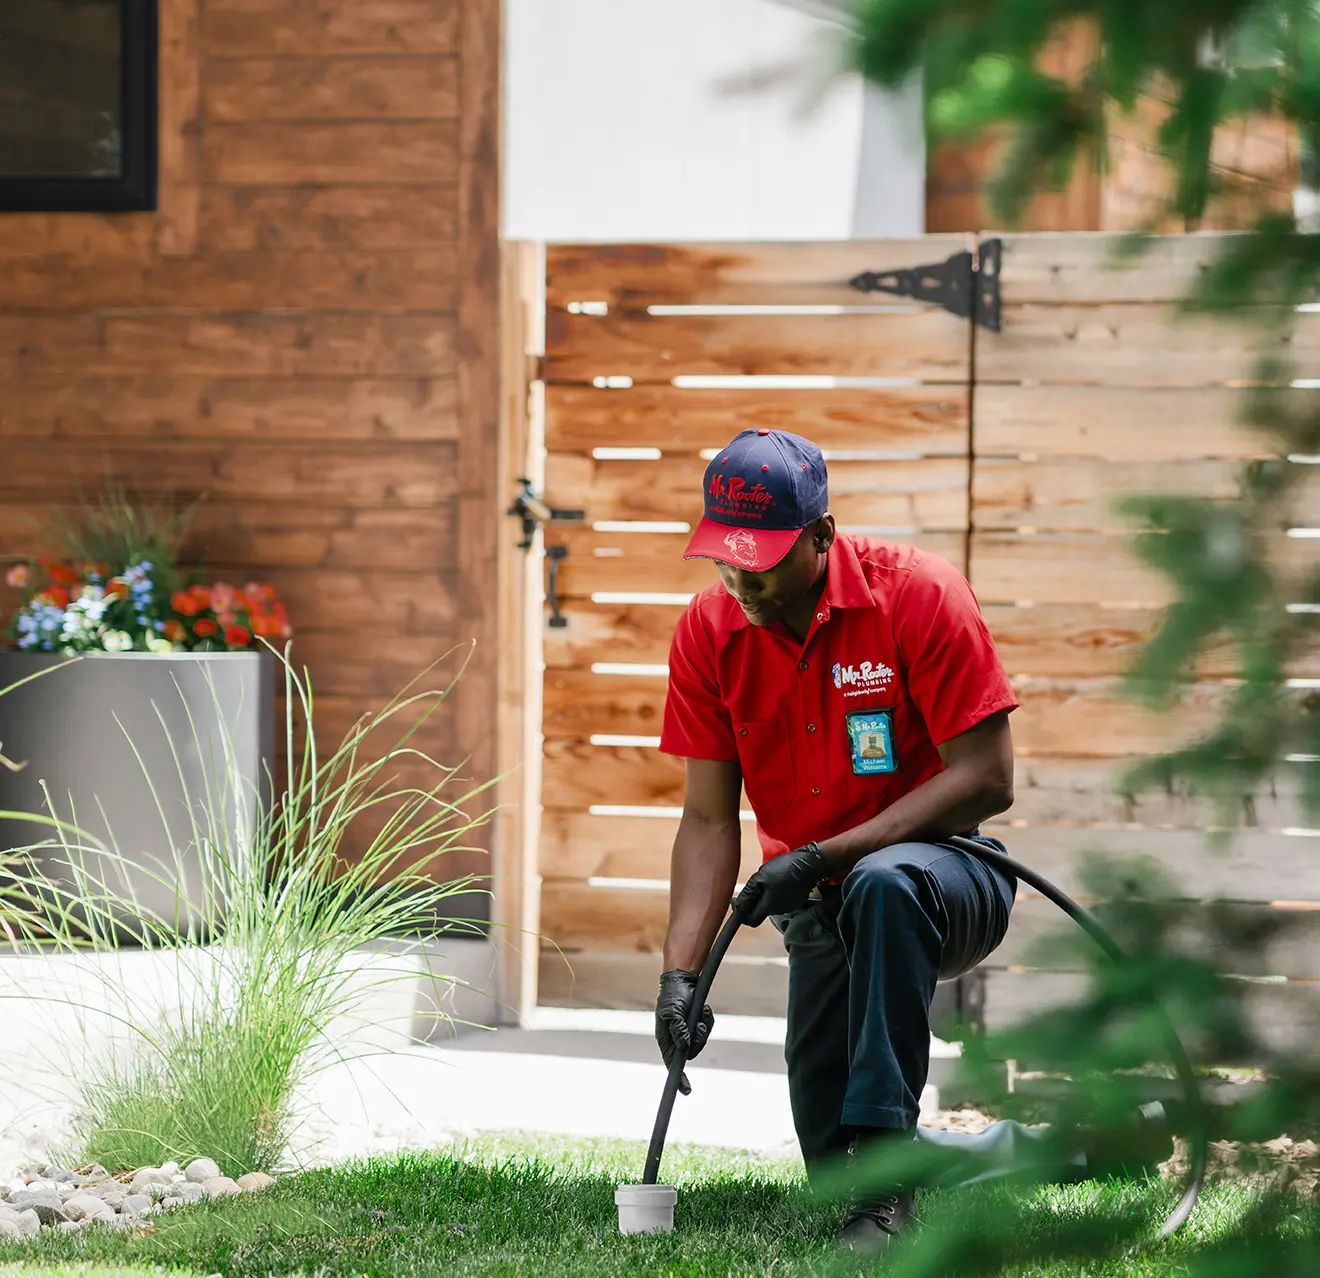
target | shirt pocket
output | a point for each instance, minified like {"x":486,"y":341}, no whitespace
{"x":766,"y":756}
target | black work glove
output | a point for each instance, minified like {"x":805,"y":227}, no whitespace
{"x":781,"y":885}
{"x":672,"y":1010}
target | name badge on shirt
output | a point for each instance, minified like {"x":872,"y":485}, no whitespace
{"x":871,"y":742}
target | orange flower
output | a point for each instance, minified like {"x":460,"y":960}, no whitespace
{"x":62,"y":576}
{"x":56,"y":596}
{"x":204,"y":627}
{"x":174,"y":631}
{"x":116,"y":586}
{"x":237,"y":637}
{"x":185,"y":602}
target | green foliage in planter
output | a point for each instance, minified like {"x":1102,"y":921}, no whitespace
{"x":273,"y":953}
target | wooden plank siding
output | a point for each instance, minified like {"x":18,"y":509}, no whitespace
{"x":1095,"y":390}
{"x":626,"y":326}
{"x":306,"y":332}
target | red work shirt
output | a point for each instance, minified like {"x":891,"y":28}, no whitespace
{"x":898,"y":638}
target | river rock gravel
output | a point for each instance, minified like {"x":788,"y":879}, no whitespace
{"x":43,"y":1196}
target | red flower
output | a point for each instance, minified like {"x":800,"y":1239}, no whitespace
{"x":62,"y":576}
{"x":116,"y":586}
{"x":185,"y":602}
{"x":237,"y":637}
{"x":174,"y":631}
{"x":204,"y":627}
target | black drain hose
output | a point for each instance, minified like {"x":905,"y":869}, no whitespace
{"x":1084,"y":919}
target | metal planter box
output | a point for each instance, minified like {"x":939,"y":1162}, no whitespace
{"x":199,"y":725}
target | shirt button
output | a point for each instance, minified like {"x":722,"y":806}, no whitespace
{"x":802,"y":665}
{"x":820,"y":616}
{"x":742,"y":732}
{"x":815,"y":789}
{"x":811,"y":727}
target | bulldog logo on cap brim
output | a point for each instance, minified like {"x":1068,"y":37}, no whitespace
{"x":743,"y":545}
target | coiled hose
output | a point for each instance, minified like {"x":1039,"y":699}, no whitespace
{"x":1083,"y":918}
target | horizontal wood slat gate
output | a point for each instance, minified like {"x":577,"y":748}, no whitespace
{"x":657,"y":354}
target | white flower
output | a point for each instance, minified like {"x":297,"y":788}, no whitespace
{"x":117,"y":641}
{"x":156,"y":644}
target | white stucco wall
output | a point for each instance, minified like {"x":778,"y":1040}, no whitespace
{"x":622,"y":122}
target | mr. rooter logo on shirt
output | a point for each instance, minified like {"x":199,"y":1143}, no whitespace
{"x":863,"y":678}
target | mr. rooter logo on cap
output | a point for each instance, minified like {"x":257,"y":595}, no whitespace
{"x":761,"y":492}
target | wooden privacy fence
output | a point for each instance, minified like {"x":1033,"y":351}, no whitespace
{"x":1003,"y":451}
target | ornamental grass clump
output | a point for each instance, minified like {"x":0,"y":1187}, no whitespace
{"x":285,"y":937}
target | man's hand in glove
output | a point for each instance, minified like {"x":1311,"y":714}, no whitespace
{"x":781,"y":885}
{"x":672,"y":1010}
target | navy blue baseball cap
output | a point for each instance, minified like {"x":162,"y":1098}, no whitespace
{"x":761,"y":492}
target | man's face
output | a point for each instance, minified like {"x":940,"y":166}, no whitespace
{"x":766,"y":596}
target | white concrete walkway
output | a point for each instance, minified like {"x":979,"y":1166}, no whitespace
{"x":577,"y":1073}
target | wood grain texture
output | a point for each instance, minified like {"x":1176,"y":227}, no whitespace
{"x":1083,"y":495}
{"x":618,"y":979}
{"x":1257,"y":866}
{"x":578,"y":845}
{"x":631,"y":562}
{"x":247,"y":218}
{"x":1077,"y":267}
{"x":222,"y":345}
{"x":930,"y":493}
{"x":394,"y":475}
{"x":1280,"y":1016}
{"x":611,"y":632}
{"x":1115,"y":423}
{"x":1050,"y":790}
{"x":931,"y":345}
{"x":1040,"y":936}
{"x":313,"y":89}
{"x":1063,"y":568}
{"x":1064,"y":641}
{"x":291,"y":409}
{"x":483,"y":458}
{"x":259,"y":537}
{"x":931,"y":420}
{"x":637,"y":275}
{"x":285,"y":333}
{"x":576,"y":775}
{"x":375,"y":280}
{"x":369,"y":601}
{"x":299,"y":28}
{"x":1122,"y":344}
{"x":577,"y":917}
{"x":282,"y":153}
{"x":179,"y":134}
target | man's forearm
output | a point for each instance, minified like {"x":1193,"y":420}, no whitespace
{"x":951,"y":802}
{"x":703,"y":873}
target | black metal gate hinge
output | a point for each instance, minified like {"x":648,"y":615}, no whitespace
{"x":965,"y":284}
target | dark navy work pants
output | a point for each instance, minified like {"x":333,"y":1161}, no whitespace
{"x":862,"y":966}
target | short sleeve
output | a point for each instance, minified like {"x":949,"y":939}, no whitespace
{"x":954,"y":675}
{"x":697,"y":723}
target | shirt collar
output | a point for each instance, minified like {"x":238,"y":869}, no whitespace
{"x":845,"y":585}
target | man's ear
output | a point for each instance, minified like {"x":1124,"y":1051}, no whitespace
{"x":823,"y":534}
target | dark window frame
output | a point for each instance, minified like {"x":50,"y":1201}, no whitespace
{"x":134,"y":188}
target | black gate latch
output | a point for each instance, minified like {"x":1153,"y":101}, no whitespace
{"x":965,"y":284}
{"x":532,"y":510}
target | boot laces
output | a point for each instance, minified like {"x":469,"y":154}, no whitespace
{"x":884,"y":1209}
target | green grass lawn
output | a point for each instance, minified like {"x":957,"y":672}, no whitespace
{"x":545,"y":1206}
